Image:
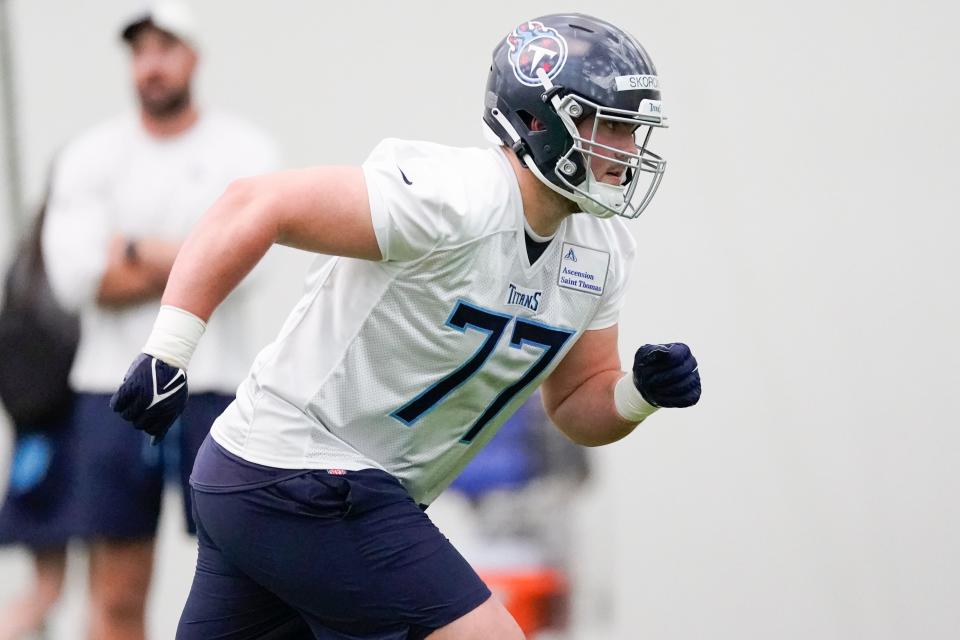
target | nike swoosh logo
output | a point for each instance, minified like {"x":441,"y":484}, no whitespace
{"x":160,"y":397}
{"x":404,"y":176}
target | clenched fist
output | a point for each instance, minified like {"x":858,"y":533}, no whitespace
{"x":666,"y":375}
{"x":152,"y":395}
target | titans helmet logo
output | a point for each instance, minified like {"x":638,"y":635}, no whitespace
{"x":533,"y":47}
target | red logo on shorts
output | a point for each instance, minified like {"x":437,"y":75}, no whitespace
{"x":337,"y":472}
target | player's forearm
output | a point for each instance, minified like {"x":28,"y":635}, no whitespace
{"x":228,"y":242}
{"x":588,"y":415}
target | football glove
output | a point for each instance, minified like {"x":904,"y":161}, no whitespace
{"x":666,"y":375}
{"x":152,"y":395}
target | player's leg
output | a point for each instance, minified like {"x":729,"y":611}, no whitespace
{"x":120,"y":573}
{"x":489,"y":620}
{"x":120,"y":481}
{"x":27,"y":614}
{"x":225,"y":604}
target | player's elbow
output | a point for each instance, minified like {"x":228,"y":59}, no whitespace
{"x":249,"y":202}
{"x":592,"y":434}
{"x":586,"y":428}
{"x":575,"y":430}
{"x":245,"y":194}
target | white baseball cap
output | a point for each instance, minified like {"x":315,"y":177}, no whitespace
{"x":171,"y":16}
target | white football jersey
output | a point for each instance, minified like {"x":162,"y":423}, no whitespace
{"x":412,"y":363}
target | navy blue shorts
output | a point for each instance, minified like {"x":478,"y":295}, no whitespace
{"x":36,"y":510}
{"x":119,"y":475}
{"x":320,"y":554}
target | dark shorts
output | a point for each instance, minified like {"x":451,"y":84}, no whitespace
{"x":36,"y":510}
{"x":108,"y":479}
{"x":320,"y":554}
{"x":119,"y":475}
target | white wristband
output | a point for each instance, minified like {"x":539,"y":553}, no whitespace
{"x":175,"y":336}
{"x":630,"y":404}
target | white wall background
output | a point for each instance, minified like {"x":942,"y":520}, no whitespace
{"x":804,"y":242}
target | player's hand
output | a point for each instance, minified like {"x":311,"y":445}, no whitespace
{"x":666,"y":375}
{"x":152,"y":395}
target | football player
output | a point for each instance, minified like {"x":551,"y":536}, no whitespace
{"x":466,"y":279}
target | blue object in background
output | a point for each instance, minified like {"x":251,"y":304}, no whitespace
{"x":31,"y":463}
{"x":510,"y":460}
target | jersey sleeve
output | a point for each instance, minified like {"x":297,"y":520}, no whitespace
{"x":418,"y":202}
{"x":76,"y":230}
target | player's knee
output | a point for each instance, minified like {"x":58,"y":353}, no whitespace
{"x":509,"y":629}
{"x":502,"y":624}
{"x":489,"y":620}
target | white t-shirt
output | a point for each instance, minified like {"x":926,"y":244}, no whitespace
{"x":116,"y":178}
{"x":411,"y":364}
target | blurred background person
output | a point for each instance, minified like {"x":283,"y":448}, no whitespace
{"x":38,"y":341}
{"x":125,"y":194}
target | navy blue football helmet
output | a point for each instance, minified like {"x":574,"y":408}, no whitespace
{"x":559,"y":70}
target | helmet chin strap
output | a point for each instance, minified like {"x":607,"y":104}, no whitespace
{"x":526,"y":158}
{"x":585,"y":204}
